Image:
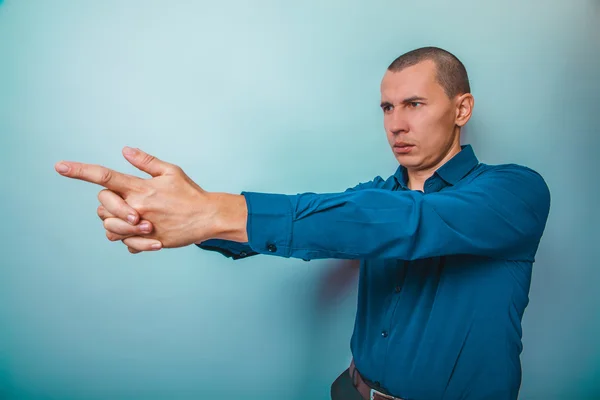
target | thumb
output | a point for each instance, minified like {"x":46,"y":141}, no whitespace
{"x":145,"y":162}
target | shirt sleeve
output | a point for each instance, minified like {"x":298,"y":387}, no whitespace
{"x":501,"y":213}
{"x":236,"y":250}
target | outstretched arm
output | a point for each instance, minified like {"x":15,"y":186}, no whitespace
{"x":502,"y":213}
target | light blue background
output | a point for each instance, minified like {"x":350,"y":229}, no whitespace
{"x":278,"y":97}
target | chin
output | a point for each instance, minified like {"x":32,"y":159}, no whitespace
{"x":408,"y":160}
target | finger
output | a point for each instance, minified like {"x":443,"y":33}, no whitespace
{"x":113,"y":237}
{"x":120,"y":227}
{"x":103,"y":213}
{"x":110,"y":179}
{"x":142,"y":244}
{"x":117,"y":206}
{"x":133,"y":251}
{"x":147,"y":163}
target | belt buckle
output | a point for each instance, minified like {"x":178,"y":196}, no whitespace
{"x":373,"y":392}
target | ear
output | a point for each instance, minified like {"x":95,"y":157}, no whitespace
{"x":464,"y":108}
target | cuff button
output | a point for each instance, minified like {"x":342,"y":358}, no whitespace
{"x":271,"y":247}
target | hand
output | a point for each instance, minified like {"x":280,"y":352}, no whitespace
{"x":180,"y":211}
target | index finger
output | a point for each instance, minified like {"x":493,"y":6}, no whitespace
{"x":97,"y":174}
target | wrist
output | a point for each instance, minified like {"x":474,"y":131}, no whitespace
{"x":230,"y":218}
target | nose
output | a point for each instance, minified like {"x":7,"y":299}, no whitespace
{"x":396,"y":122}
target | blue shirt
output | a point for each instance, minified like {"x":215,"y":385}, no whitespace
{"x":444,"y":274}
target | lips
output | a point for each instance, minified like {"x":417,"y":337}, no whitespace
{"x":403,"y":148}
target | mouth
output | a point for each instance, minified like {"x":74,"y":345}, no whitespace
{"x":403,"y":148}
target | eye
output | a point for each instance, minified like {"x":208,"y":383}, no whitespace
{"x":415,"y":104}
{"x":386,"y":108}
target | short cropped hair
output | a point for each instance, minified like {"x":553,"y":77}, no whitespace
{"x":451,"y":73}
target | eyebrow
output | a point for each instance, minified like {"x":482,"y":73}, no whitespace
{"x":405,"y":101}
{"x":413,"y":98}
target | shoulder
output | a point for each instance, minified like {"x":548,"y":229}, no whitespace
{"x":512,"y":180}
{"x":514,"y":173}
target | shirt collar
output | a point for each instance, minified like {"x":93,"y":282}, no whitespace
{"x":451,"y":172}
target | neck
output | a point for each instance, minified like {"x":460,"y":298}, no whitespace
{"x":417,"y":177}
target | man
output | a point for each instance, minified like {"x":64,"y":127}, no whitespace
{"x":446,"y":243}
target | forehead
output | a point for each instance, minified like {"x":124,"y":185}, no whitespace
{"x":417,"y":80}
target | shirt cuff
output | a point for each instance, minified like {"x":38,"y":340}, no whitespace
{"x":230,"y":249}
{"x":269,"y":224}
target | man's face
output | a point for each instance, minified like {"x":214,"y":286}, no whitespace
{"x":419,"y":118}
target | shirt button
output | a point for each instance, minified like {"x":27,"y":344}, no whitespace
{"x":272,"y":248}
{"x":384,"y":334}
{"x":243,"y":254}
{"x":398,"y":289}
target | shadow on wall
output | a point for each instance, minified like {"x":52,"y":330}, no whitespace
{"x":340,"y":279}
{"x":336,"y":285}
